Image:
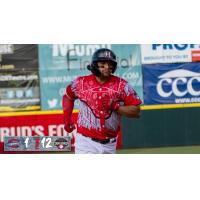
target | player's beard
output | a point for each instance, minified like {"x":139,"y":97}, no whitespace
{"x":106,"y":73}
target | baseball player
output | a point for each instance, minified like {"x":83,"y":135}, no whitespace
{"x":104,"y":98}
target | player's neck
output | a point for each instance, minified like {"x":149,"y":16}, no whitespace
{"x":102,"y":79}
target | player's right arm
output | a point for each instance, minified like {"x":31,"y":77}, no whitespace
{"x":68,"y":104}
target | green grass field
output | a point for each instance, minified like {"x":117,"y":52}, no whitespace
{"x":162,"y":150}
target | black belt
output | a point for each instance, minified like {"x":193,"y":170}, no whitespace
{"x":106,"y":141}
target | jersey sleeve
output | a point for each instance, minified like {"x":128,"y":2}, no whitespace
{"x":130,"y":96}
{"x":71,"y":92}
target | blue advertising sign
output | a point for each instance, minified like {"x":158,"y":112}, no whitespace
{"x":171,"y":83}
{"x":61,"y":63}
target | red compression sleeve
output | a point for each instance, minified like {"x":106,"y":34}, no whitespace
{"x":68,"y":106}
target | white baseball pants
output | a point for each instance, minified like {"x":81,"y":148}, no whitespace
{"x":84,"y":145}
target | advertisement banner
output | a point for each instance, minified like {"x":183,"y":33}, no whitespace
{"x":19,"y":79}
{"x":61,"y":63}
{"x":40,"y":124}
{"x":171,"y":83}
{"x":170,"y":53}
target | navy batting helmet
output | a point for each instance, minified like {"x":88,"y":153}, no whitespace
{"x":102,"y":54}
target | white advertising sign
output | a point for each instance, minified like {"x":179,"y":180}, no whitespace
{"x":170,"y":53}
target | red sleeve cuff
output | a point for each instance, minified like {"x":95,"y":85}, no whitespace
{"x":130,"y":100}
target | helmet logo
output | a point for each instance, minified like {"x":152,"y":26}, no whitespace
{"x":107,"y":54}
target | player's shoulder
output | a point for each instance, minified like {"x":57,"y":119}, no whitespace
{"x":81,"y":79}
{"x":86,"y":76}
{"x":119,"y":79}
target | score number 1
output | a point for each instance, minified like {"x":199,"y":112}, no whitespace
{"x":45,"y":143}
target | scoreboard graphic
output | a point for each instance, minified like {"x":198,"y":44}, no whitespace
{"x":46,"y":143}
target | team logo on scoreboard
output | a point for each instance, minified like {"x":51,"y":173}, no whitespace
{"x":61,"y":143}
{"x":13,"y":143}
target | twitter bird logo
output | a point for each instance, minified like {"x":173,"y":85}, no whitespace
{"x":52,"y":103}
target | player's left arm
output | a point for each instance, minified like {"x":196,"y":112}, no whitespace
{"x":132,"y":102}
{"x":129,"y":111}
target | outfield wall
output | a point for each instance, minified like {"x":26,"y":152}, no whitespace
{"x":162,"y":127}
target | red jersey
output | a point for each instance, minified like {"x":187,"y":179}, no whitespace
{"x":96,"y":119}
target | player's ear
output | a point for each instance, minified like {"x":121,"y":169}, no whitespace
{"x":89,"y":67}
